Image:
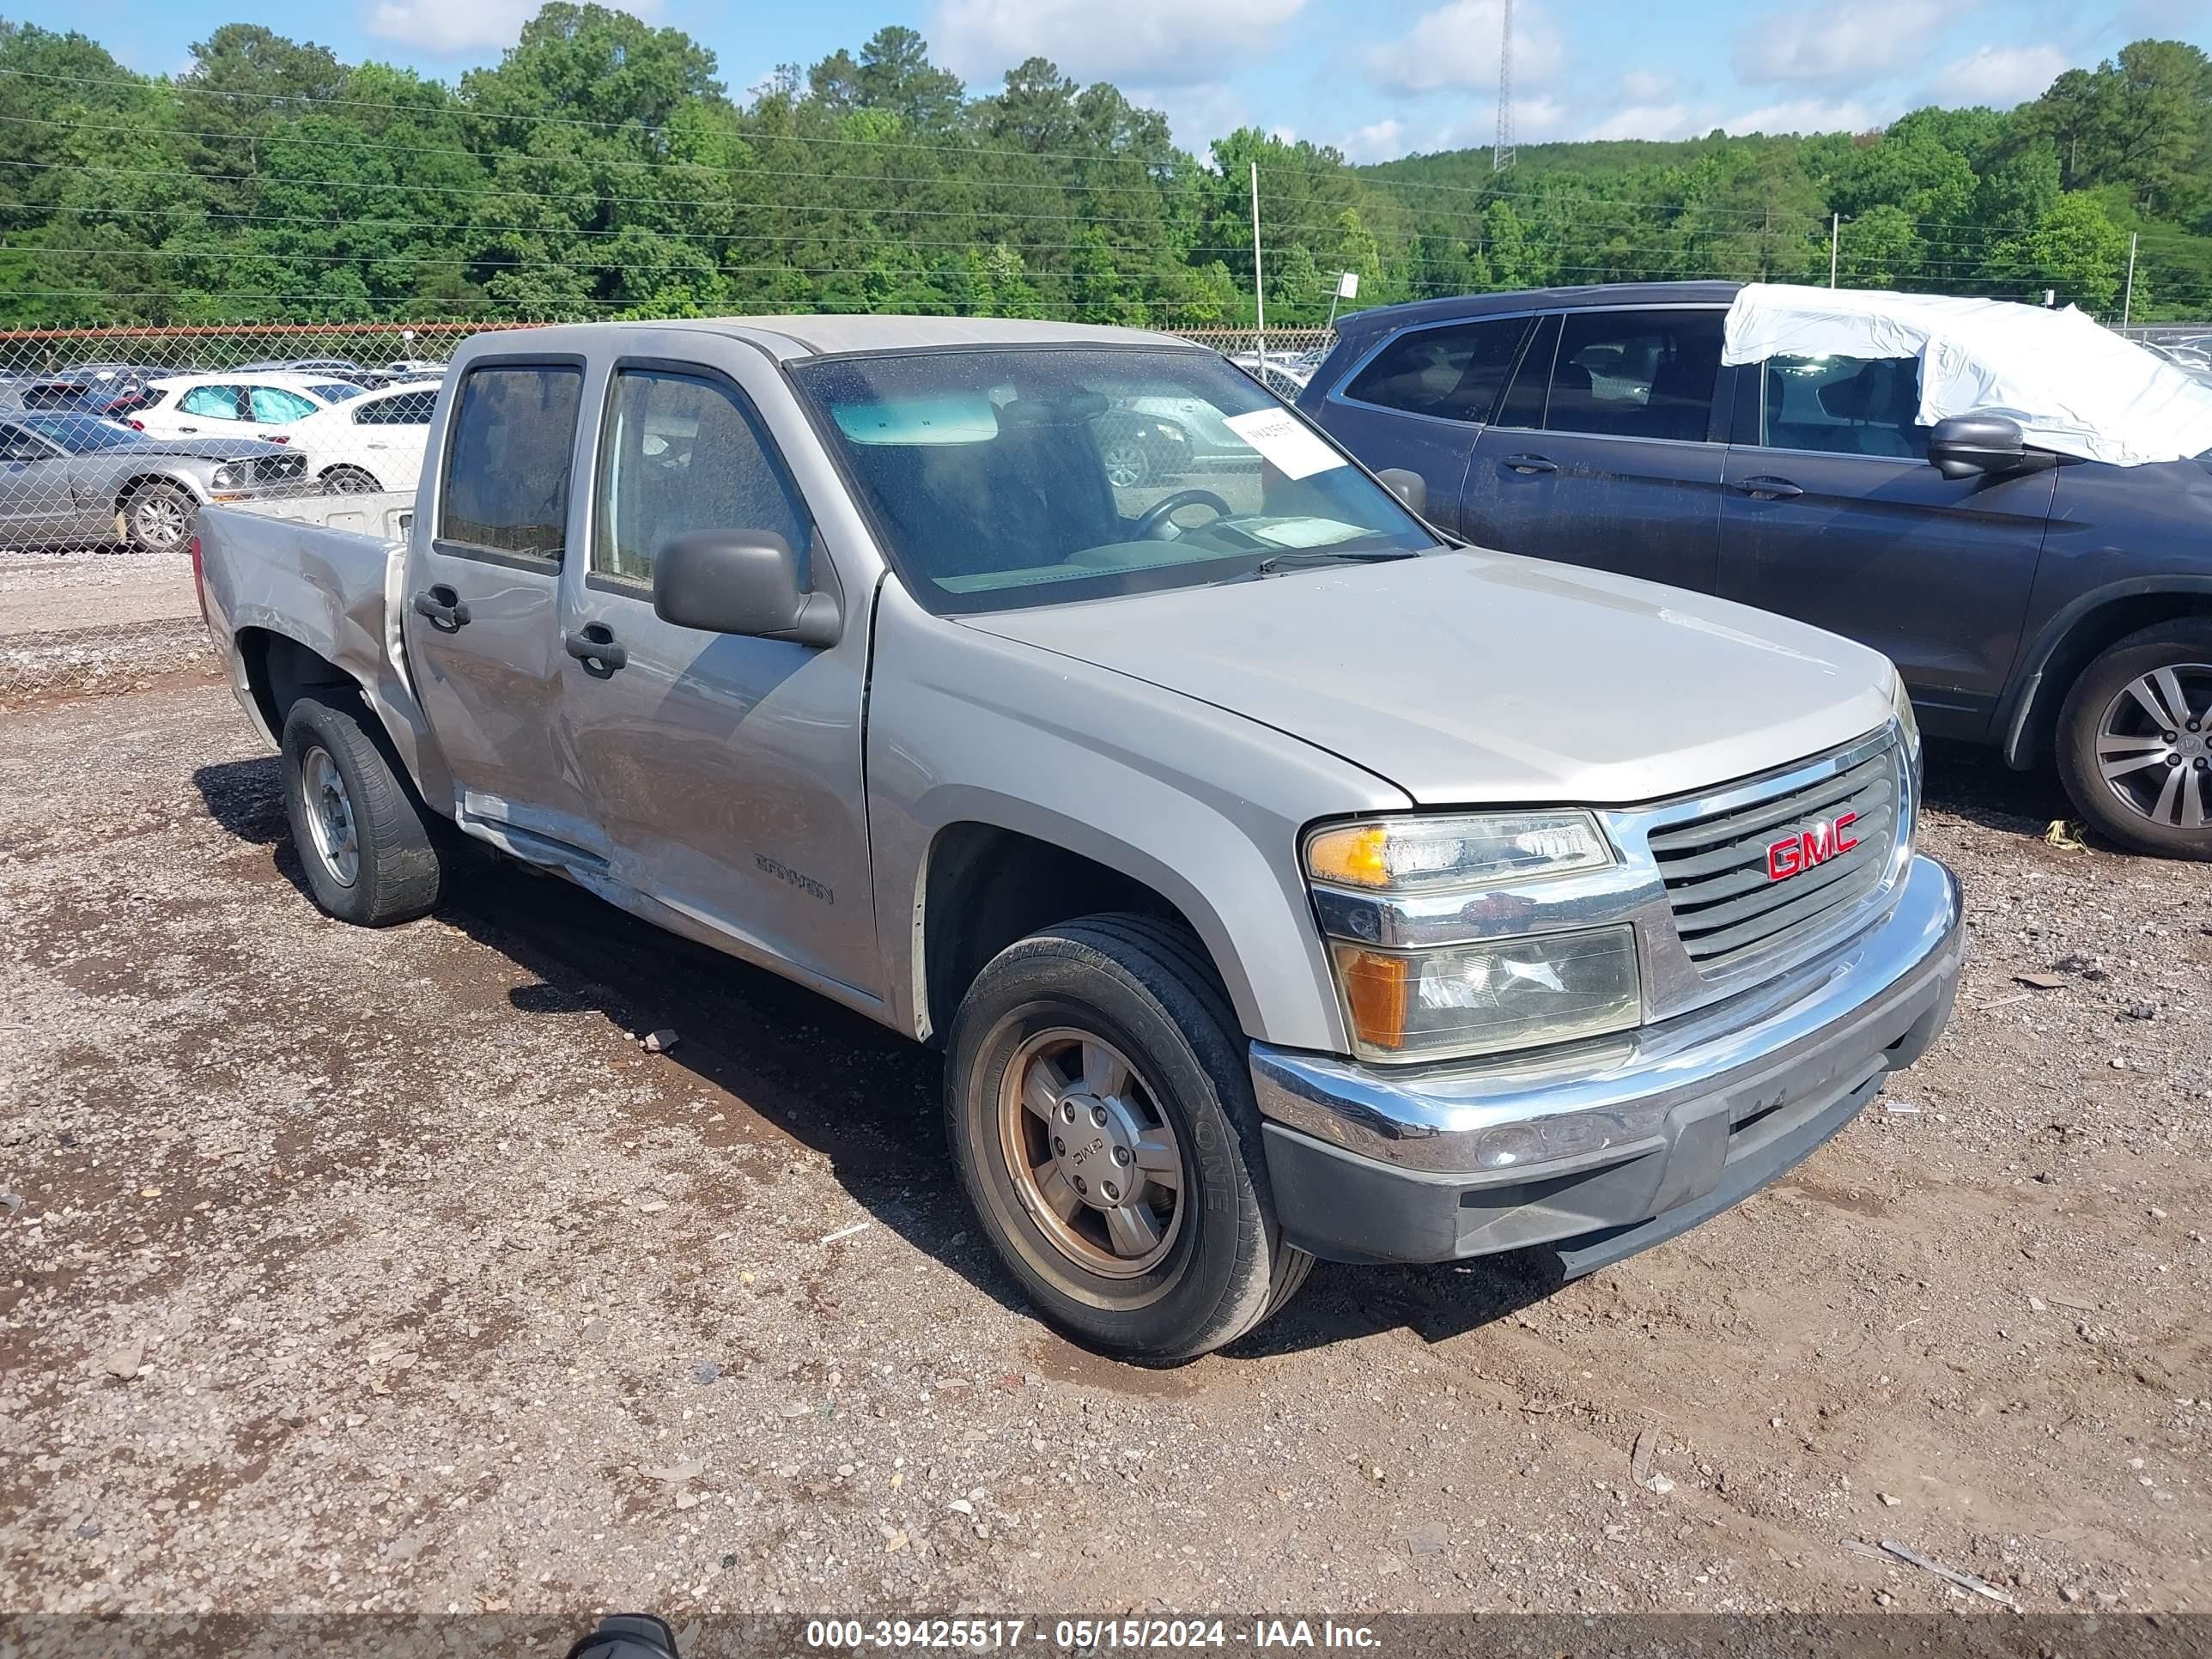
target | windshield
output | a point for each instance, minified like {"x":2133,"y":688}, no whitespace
{"x":1022,"y":476}
{"x":80,"y":435}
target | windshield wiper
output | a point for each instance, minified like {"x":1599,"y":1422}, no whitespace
{"x":1306,"y":558}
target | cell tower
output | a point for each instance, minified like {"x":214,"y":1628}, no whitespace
{"x":1501,"y":150}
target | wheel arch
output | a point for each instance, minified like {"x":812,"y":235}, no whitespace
{"x":984,"y":885}
{"x":2074,"y":638}
{"x":279,"y":669}
{"x":132,"y":483}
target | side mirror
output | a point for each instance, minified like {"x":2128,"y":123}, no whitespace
{"x":740,"y":581}
{"x":1963,"y":445}
{"x":1408,"y":486}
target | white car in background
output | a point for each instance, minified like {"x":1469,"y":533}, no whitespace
{"x":374,"y":442}
{"x":233,"y":405}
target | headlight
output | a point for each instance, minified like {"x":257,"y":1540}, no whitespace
{"x":222,"y":478}
{"x":1405,"y":855}
{"x":1466,"y":999}
{"x":1900,"y":703}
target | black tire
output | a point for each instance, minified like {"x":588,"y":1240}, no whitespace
{"x":398,"y":864}
{"x":1144,"y":986}
{"x":349,"y":481}
{"x":2101,"y":697}
{"x":158,"y":517}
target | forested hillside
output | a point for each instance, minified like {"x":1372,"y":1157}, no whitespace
{"x":602,"y":168}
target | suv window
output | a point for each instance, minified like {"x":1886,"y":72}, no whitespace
{"x":274,"y":405}
{"x":507,"y":469}
{"x":1453,"y":372}
{"x":412,"y":409}
{"x":1635,"y":373}
{"x":1844,"y":406}
{"x":679,"y":454}
{"x":211,"y":403}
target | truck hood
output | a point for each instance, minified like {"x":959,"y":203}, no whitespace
{"x":1469,"y":676}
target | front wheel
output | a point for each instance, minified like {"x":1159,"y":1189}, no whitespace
{"x":2134,"y":740}
{"x":1100,"y":1112}
{"x":158,"y":517}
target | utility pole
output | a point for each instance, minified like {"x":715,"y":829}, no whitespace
{"x":1835,"y":242}
{"x":1258,"y":287}
{"x":2128,"y":302}
{"x":1501,"y":149}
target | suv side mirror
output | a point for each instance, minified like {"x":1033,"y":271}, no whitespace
{"x":1963,"y":445}
{"x":740,"y":581}
{"x":1408,"y":486}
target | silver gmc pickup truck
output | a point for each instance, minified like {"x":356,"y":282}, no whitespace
{"x":1281,"y":879}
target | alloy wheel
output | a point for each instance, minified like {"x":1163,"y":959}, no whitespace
{"x":159,"y":517}
{"x":2155,"y":745}
{"x":1093,"y":1158}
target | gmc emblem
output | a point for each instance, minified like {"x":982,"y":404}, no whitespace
{"x":1819,"y":841}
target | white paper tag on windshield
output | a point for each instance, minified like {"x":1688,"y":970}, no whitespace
{"x":1283,"y":441}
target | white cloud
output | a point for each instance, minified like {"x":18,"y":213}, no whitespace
{"x":1197,"y":114}
{"x":2001,"y":75}
{"x":1810,"y":115}
{"x":1158,"y":43}
{"x":1456,"y":45}
{"x":449,"y":27}
{"x":1378,"y":141}
{"x":1645,"y":87}
{"x":1649,"y":121}
{"x":1821,"y":40}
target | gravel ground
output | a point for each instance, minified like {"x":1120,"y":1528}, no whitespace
{"x":386,"y":1270}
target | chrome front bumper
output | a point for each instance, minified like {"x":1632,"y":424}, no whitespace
{"x":1611,"y":1146}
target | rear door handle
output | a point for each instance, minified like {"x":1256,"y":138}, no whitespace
{"x":1765,"y":489}
{"x":593,"y":646}
{"x":1530,"y":465}
{"x":188,"y":428}
{"x":448,"y":611}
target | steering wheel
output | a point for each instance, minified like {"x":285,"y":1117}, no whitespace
{"x":1157,"y":514}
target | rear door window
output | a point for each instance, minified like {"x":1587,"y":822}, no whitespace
{"x":1636,"y":374}
{"x":1844,"y":406}
{"x":1452,"y":373}
{"x":275,"y":406}
{"x":506,"y":486}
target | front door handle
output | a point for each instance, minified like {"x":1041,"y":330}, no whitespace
{"x":1765,"y":489}
{"x":448,"y":611}
{"x":1530,"y":465}
{"x":593,"y":646}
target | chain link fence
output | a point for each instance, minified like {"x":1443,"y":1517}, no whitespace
{"x":119,"y":435}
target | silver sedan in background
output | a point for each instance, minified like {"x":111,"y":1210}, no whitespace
{"x":79,"y":479}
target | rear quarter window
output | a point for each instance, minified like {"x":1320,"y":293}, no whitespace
{"x":505,"y":485}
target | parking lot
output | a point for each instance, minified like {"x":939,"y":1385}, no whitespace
{"x":353,"y":1270}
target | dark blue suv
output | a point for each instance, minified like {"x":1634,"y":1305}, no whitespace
{"x":2045,"y":604}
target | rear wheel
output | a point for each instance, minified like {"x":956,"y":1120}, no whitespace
{"x":2134,"y":740}
{"x":349,"y":481}
{"x":365,"y":838}
{"x":158,"y":517}
{"x":1100,"y":1112}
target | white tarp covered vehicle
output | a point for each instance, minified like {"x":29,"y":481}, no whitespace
{"x":2072,"y":386}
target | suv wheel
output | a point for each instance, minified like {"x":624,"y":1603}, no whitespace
{"x":2134,"y":740}
{"x":1100,"y":1112}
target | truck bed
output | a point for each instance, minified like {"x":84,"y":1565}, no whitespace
{"x":324,"y":573}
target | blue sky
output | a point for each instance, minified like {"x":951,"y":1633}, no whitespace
{"x":1376,"y":77}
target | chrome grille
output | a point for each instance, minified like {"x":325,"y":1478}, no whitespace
{"x":1725,"y":902}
